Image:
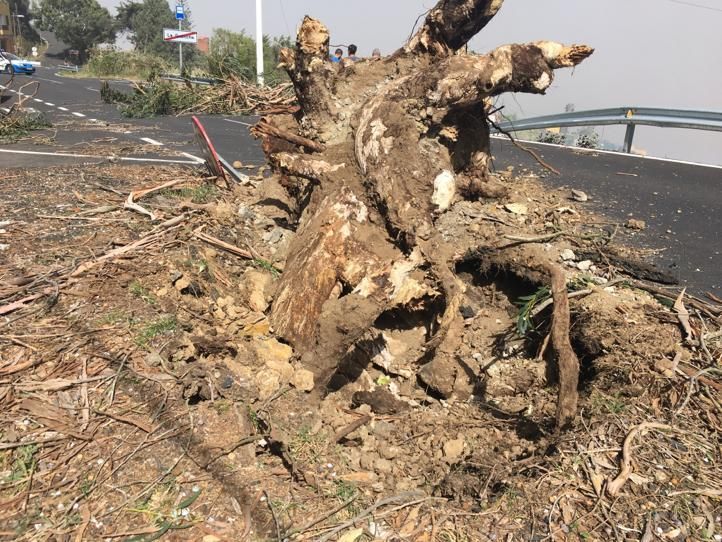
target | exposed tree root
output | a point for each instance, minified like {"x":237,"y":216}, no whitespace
{"x":567,"y":360}
{"x":398,"y":143}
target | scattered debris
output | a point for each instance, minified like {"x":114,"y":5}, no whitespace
{"x":323,"y":364}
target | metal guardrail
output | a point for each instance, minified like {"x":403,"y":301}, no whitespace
{"x":69,"y":68}
{"x":631,"y":116}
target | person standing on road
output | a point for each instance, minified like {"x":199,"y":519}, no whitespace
{"x":352,"y":53}
{"x":337,"y":55}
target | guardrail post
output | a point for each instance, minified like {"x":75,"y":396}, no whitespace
{"x":629,"y":137}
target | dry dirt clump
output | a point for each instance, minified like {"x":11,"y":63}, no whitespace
{"x":146,"y":396}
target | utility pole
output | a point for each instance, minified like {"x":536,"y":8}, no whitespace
{"x":259,"y":42}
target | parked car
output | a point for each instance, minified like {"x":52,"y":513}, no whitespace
{"x":9,"y":63}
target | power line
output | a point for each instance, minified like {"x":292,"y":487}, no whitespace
{"x":692,"y":4}
{"x":285,"y":21}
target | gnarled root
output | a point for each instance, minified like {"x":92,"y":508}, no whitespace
{"x":566,"y":358}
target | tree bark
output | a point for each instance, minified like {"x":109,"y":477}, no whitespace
{"x":397,"y":142}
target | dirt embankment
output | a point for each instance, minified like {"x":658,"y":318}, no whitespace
{"x":144,"y":394}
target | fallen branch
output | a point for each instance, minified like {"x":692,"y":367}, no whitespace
{"x":222,"y":244}
{"x":368,"y":511}
{"x":709,"y":310}
{"x":350,"y":428}
{"x":130,"y":204}
{"x":134,"y":195}
{"x":670,"y":368}
{"x":614,"y":486}
{"x":7,"y":309}
{"x":324,"y":517}
{"x":142,"y":192}
{"x":539,"y":239}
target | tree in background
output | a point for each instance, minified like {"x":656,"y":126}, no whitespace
{"x":28,"y":34}
{"x":145,"y":21}
{"x":234,"y":53}
{"x":82,"y":24}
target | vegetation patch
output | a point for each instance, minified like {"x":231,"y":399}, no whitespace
{"x":163,"y":326}
{"x":127,"y":64}
{"x":20,"y":124}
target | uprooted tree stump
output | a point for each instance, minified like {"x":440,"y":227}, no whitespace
{"x":379,"y":150}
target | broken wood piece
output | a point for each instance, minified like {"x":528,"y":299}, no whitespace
{"x":350,"y":428}
{"x":130,"y":204}
{"x":80,"y":218}
{"x":615,"y":485}
{"x":670,"y":368}
{"x":265,"y":128}
{"x":134,"y":195}
{"x":222,"y":244}
{"x":539,"y":239}
{"x":303,"y":166}
{"x":7,"y":309}
{"x":683,"y":316}
{"x":139,"y":193}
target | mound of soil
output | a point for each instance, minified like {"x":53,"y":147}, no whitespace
{"x":144,"y":393}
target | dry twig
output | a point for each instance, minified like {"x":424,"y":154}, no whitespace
{"x":615,"y":485}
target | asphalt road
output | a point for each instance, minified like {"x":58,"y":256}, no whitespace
{"x":681,"y":203}
{"x":79,"y":117}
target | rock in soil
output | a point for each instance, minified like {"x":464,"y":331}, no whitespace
{"x":268,"y":382}
{"x":255,"y":289}
{"x":634,"y":224}
{"x":380,"y":400}
{"x":454,"y":450}
{"x":578,"y":195}
{"x":303,"y":380}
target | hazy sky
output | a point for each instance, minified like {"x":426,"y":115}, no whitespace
{"x":661,"y":53}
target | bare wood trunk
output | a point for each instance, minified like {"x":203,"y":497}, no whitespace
{"x":395,"y":143}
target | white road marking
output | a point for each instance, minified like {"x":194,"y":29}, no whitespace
{"x":119,"y":158}
{"x":194,"y":158}
{"x":238,"y":122}
{"x":93,"y":89}
{"x":49,"y":80}
{"x":63,"y":108}
{"x":48,"y":103}
{"x":37,"y":100}
{"x":614,"y":153}
{"x":78,"y":114}
{"x":151,"y":141}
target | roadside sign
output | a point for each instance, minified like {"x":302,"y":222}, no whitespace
{"x":179,"y":36}
{"x":180,"y":13}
